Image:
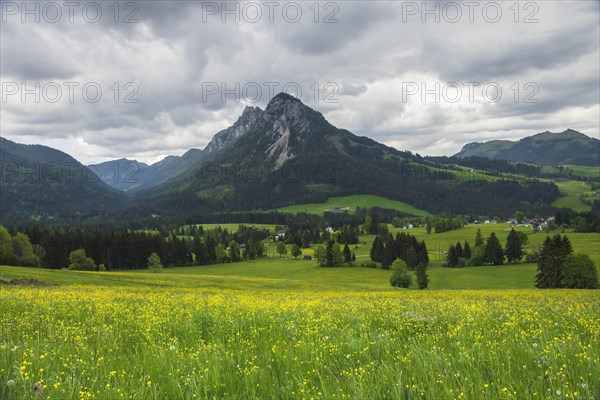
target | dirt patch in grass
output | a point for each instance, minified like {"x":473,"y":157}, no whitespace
{"x":32,"y":282}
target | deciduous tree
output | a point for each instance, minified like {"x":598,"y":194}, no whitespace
{"x":154,"y":263}
{"x":23,"y":251}
{"x":281,"y":249}
{"x":400,"y":276}
{"x":296,"y":252}
{"x":579,"y":272}
{"x":78,"y":260}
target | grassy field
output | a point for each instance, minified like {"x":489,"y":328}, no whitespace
{"x":234,"y":227}
{"x":572,"y":191}
{"x":285,"y":275}
{"x":168,"y":336}
{"x":288,"y":329}
{"x":585,"y":172}
{"x":355,"y":201}
{"x":437,"y":243}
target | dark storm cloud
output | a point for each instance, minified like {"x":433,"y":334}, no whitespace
{"x":508,"y":56}
{"x":345,"y":23}
{"x":175,"y":51}
{"x":26,"y":55}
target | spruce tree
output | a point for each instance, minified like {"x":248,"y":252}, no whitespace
{"x":389,"y":255}
{"x":514,"y":248}
{"x":423,"y":255}
{"x":452,"y":257}
{"x":467,"y":251}
{"x":373,"y":251}
{"x":548,"y":268}
{"x":566,"y":247}
{"x":347,"y":253}
{"x":551,"y":261}
{"x":478,"y":238}
{"x":412,"y":257}
{"x":459,"y":250}
{"x":379,"y":250}
{"x":493,"y":253}
{"x":422,"y":278}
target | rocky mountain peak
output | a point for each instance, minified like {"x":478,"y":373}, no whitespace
{"x":244,"y":124}
{"x":286,"y":119}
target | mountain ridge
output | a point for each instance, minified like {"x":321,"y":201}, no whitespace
{"x":290,"y":154}
{"x":293,"y":154}
{"x":40,"y":182}
{"x":546,"y":148}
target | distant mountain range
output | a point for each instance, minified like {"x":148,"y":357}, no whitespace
{"x":283,"y":155}
{"x":290,"y":154}
{"x":134,"y":176}
{"x":547,"y":148}
{"x":39,"y":182}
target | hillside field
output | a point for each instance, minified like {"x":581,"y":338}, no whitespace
{"x":352,"y":202}
{"x":572,"y":190}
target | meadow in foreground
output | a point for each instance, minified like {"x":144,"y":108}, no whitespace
{"x":145,"y":342}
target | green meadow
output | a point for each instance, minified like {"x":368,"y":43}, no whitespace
{"x":352,"y":202}
{"x":572,"y":190}
{"x":287,"y":329}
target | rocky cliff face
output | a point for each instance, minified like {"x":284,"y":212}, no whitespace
{"x":228,"y":136}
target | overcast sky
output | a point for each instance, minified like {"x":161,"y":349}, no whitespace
{"x":172,"y":74}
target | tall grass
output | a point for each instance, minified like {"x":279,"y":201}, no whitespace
{"x":176,"y":343}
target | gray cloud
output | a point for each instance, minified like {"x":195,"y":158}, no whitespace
{"x":175,"y":52}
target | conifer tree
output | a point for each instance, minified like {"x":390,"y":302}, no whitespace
{"x":373,"y":251}
{"x":422,"y":278}
{"x":514,"y":248}
{"x":451,"y":257}
{"x":459,"y":250}
{"x":478,"y":238}
{"x":423,"y":255}
{"x":493,"y":253}
{"x":389,"y":255}
{"x":412,"y":257}
{"x":551,"y":261}
{"x":347,"y":253}
{"x":467,"y":251}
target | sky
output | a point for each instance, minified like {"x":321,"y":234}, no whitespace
{"x":146,"y":79}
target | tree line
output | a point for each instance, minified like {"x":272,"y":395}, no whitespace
{"x":115,"y":250}
{"x":405,"y":247}
{"x":558,"y":267}
{"x":487,"y":252}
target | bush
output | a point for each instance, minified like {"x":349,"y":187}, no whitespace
{"x":79,"y":261}
{"x":532,"y":257}
{"x":368,"y":265}
{"x":477,"y":256}
{"x":579,"y":272}
{"x":154,"y":263}
{"x":400,"y":277}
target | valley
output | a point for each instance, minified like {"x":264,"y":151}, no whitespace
{"x":258,"y":267}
